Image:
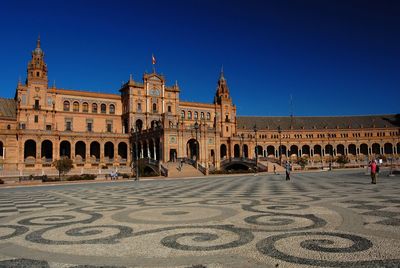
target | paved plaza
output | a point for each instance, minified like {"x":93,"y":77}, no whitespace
{"x":323,"y":219}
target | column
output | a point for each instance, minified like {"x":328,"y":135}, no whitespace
{"x":300,"y":152}
{"x":154,"y":150}
{"x":4,"y":152}
{"x":101,"y":152}
{"x":87,"y":152}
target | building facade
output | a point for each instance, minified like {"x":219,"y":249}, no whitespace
{"x":148,"y":120}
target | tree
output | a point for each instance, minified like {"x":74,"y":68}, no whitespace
{"x":63,"y":165}
{"x":342,"y":160}
{"x":302,"y":161}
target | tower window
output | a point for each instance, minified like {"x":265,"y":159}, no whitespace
{"x":36,"y":105}
{"x":169,"y":108}
{"x":139,"y":107}
{"x":112,"y":109}
{"x":36,"y":118}
{"x":154,"y":107}
{"x":37,"y":74}
{"x":85,"y":107}
{"x":103,"y":108}
{"x":66,"y":106}
{"x":76,"y":106}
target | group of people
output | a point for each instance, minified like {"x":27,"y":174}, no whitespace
{"x":373,"y":165}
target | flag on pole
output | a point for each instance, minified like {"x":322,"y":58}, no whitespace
{"x":153,"y":59}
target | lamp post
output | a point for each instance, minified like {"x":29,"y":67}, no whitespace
{"x":280,"y":145}
{"x":256,"y":150}
{"x":134,"y":132}
{"x":196,"y":128}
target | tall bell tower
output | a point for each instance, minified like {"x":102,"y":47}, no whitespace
{"x":37,"y":68}
{"x":226,"y":110}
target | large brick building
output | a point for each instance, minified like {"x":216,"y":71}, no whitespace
{"x":148,"y":119}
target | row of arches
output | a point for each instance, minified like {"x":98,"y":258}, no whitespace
{"x":316,"y":150}
{"x":80,"y":152}
{"x":85,"y":107}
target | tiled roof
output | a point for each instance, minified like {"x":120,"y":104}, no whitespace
{"x":318,"y":122}
{"x":8,"y":108}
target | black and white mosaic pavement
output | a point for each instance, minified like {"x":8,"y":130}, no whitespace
{"x":324,"y":219}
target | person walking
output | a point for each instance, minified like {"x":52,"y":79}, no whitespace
{"x":274,"y":169}
{"x":288,"y":168}
{"x":373,"y":172}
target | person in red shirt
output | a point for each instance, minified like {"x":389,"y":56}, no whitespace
{"x":373,"y":171}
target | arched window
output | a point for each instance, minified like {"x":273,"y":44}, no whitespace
{"x":103,"y":108}
{"x":139,"y":107}
{"x":66,"y":106}
{"x":85,"y":107}
{"x":154,"y":107}
{"x":196,"y":115}
{"x":208,"y":116}
{"x":202,"y":115}
{"x":112,"y":109}
{"x":189,"y":115}
{"x":182,"y":114}
{"x":76,"y":106}
{"x":94,"y":108}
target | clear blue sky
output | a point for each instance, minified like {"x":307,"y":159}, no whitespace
{"x":333,"y":57}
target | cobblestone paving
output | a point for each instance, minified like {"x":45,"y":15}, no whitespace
{"x":324,"y":219}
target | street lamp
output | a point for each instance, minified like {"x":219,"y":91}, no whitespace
{"x":280,"y":145}
{"x":256,"y":150}
{"x":196,"y":128}
{"x":134,"y":131}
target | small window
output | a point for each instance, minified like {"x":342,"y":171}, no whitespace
{"x":8,"y":127}
{"x":139,"y":107}
{"x":68,"y":125}
{"x":85,"y":107}
{"x":23,"y":126}
{"x":182,"y":114}
{"x":66,"y":106}
{"x":109,"y":127}
{"x":36,"y":118}
{"x":112,"y":109}
{"x":202,"y":115}
{"x":89,"y":126}
{"x":48,"y":127}
{"x":169,"y":108}
{"x":154,"y":107}
{"x":227,"y":129}
{"x":189,"y":115}
{"x":94,"y":108}
{"x":37,"y":74}
{"x":208,"y":116}
{"x":37,"y":107}
{"x":196,"y":115}
{"x":103,"y":108}
{"x":76,"y":106}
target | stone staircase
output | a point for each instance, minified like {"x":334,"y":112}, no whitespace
{"x":270,"y":166}
{"x":186,"y":170}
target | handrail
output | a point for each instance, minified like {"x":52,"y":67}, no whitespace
{"x":163,"y":170}
{"x":202,"y":169}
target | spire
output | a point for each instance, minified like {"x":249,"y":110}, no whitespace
{"x":38,"y":42}
{"x":221,"y":75}
{"x":130,"y":78}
